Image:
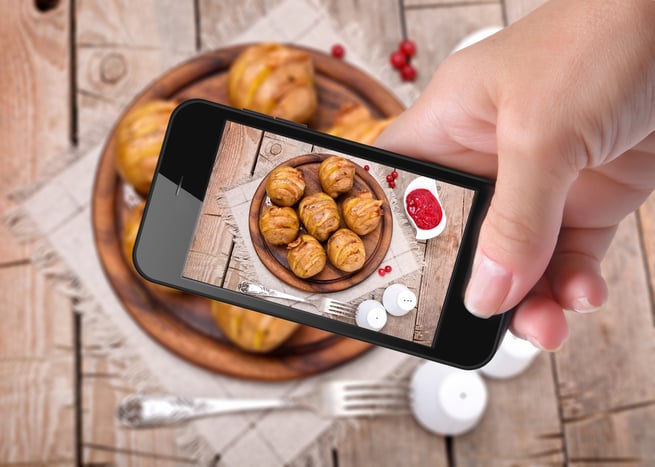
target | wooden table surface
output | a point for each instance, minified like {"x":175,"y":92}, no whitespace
{"x":68,"y":65}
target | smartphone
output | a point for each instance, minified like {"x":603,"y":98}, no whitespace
{"x":269,"y":215}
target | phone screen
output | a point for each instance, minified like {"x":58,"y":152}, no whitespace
{"x":330,"y":226}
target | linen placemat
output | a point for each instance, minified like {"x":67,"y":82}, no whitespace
{"x":58,"y":216}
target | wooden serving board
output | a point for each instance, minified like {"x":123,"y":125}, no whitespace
{"x":331,"y":279}
{"x":182,"y":323}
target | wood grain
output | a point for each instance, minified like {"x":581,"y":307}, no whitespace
{"x":601,"y":370}
{"x":36,"y":358}
{"x":647,"y":224}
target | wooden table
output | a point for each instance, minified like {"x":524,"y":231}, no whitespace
{"x":68,"y":65}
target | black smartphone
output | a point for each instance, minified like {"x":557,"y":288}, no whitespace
{"x":269,"y":215}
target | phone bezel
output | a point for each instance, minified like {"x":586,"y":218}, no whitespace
{"x":176,"y":196}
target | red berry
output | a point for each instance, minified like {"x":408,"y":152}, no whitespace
{"x":407,"y":47}
{"x":387,"y":268}
{"x":338,"y":51}
{"x":367,"y":168}
{"x":398,"y":59}
{"x":392,"y":184}
{"x":389,"y":178}
{"x":394,"y":174}
{"x":381,"y":271}
{"x":408,"y":73}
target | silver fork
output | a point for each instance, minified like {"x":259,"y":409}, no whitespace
{"x":333,"y":399}
{"x":325,"y":305}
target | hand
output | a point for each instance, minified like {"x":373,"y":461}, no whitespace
{"x":560,"y":108}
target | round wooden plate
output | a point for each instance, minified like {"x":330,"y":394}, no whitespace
{"x":330,"y":279}
{"x":183,"y":323}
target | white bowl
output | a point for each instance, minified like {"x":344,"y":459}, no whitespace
{"x":430,"y":185}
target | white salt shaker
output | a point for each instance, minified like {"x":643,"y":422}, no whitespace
{"x":371,"y":315}
{"x":513,"y":357}
{"x":446,"y":400}
{"x":398,"y":300}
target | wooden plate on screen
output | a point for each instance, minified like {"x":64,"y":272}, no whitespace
{"x":182,"y":323}
{"x":330,"y":279}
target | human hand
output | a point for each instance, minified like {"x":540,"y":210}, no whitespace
{"x":560,"y":109}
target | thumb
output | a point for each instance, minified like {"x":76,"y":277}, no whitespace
{"x":520,"y":230}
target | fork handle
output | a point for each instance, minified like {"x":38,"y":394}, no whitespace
{"x":251,"y":288}
{"x":141,"y":411}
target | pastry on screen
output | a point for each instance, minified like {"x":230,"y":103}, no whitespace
{"x":336,"y":175}
{"x":355,"y":122}
{"x":285,"y":186}
{"x":275,"y":80}
{"x":279,"y":226}
{"x":306,"y":256}
{"x":320,"y":215}
{"x":139,"y":137}
{"x":362,"y":213}
{"x":346,"y":250}
{"x":249,"y":330}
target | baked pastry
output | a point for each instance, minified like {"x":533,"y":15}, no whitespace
{"x":320,"y":215}
{"x":139,"y":137}
{"x":306,"y":256}
{"x":355,"y":122}
{"x":346,"y":250}
{"x":362,"y":213}
{"x":279,"y":226}
{"x":275,"y":80}
{"x":285,"y":186}
{"x":249,"y":330}
{"x":337,"y":175}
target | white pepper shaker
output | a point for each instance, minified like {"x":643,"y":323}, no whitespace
{"x":514,"y":355}
{"x":398,"y":300}
{"x":446,"y":400}
{"x":371,"y":315}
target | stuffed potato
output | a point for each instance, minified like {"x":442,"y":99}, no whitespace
{"x":320,"y":215}
{"x":346,"y":251}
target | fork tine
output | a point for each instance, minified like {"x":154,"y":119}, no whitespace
{"x":337,"y":313}
{"x":372,"y":412}
{"x":340,"y":306}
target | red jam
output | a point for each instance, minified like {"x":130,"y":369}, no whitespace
{"x":423,"y":207}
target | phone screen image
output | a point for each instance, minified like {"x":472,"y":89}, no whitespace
{"x":284,"y":217}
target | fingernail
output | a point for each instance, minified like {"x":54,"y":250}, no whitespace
{"x":582,"y":305}
{"x":533,"y":340}
{"x":487,"y":289}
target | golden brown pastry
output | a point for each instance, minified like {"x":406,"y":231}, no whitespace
{"x":139,"y":137}
{"x":336,"y":175}
{"x":362,"y":213}
{"x":346,"y":250}
{"x":356,"y":123}
{"x":320,"y":215}
{"x":249,"y":330}
{"x":285,"y":186}
{"x":279,"y":226}
{"x":306,"y":256}
{"x":275,"y":80}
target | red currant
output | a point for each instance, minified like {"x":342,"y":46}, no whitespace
{"x":387,"y":268}
{"x":367,"y":168}
{"x":381,"y":271}
{"x":394,"y":174}
{"x":398,"y":59}
{"x":338,"y":51}
{"x":407,"y":47}
{"x":408,"y":73}
{"x":392,"y":184}
{"x":389,"y":178}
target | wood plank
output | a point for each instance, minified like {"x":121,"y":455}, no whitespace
{"x":521,"y":425}
{"x":647,"y":225}
{"x":604,"y":370}
{"x":121,"y":48}
{"x":36,"y":363}
{"x":516,"y":9}
{"x":36,"y":369}
{"x":409,"y":4}
{"x":220,"y":22}
{"x":105,"y":441}
{"x":452,"y":24}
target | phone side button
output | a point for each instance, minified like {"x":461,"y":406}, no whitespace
{"x":290,"y":122}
